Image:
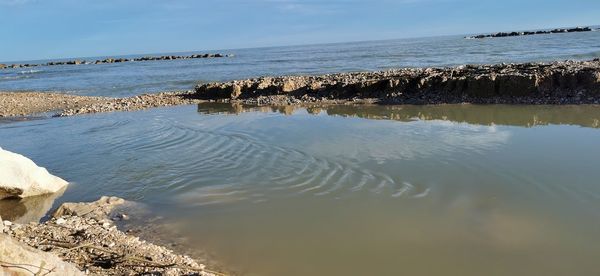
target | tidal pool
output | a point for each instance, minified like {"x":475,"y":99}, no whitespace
{"x":347,"y":190}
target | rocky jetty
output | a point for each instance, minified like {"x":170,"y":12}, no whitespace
{"x":554,"y":31}
{"x":112,"y":60}
{"x":568,"y":82}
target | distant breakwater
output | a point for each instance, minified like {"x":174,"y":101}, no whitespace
{"x":554,"y":31}
{"x":568,"y":82}
{"x":112,"y":60}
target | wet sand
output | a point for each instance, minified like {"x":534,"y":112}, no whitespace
{"x":13,"y":104}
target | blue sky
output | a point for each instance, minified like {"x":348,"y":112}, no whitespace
{"x":38,"y":29}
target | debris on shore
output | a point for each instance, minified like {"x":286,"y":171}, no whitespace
{"x":84,"y":234}
{"x":568,"y":82}
{"x":553,"y":31}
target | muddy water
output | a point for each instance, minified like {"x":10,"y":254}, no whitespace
{"x":348,"y":190}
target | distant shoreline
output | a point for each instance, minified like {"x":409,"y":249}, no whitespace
{"x":553,"y":31}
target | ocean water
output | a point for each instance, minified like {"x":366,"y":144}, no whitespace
{"x":344,"y":190}
{"x":132,"y":78}
{"x":334,"y":190}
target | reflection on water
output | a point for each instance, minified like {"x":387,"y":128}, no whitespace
{"x":511,"y":115}
{"x":347,"y":190}
{"x":24,"y":210}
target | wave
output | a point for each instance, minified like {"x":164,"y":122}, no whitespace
{"x":14,"y":77}
{"x":203,"y":166}
{"x":32,"y":71}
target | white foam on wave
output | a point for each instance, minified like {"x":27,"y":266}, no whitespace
{"x":32,"y":71}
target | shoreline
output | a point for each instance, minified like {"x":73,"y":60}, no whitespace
{"x":567,"y":82}
{"x":24,"y":104}
{"x":556,"y":83}
{"x":87,"y":236}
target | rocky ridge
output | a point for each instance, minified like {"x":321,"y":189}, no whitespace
{"x":554,"y":31}
{"x":568,"y":82}
{"x":112,"y":60}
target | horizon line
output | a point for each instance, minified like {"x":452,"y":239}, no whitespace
{"x":595,"y":28}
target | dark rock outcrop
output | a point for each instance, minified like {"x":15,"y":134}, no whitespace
{"x":113,"y":60}
{"x":532,"y":83}
{"x":554,"y":31}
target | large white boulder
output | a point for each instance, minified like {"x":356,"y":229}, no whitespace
{"x":21,"y":177}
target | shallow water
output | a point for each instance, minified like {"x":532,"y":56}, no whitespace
{"x":348,"y":190}
{"x":131,"y":78}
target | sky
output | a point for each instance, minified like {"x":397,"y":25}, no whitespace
{"x":49,"y":29}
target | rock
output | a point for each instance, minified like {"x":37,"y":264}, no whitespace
{"x":98,"y":210}
{"x":236,"y":91}
{"x":536,"y":83}
{"x":74,"y":238}
{"x":289,"y":85}
{"x":20,"y":259}
{"x":112,"y":60}
{"x":21,"y":177}
{"x":555,"y":31}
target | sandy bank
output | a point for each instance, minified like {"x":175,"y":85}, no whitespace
{"x":13,"y":104}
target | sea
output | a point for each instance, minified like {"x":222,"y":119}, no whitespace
{"x":332,"y":189}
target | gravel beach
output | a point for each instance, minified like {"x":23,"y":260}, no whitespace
{"x":15,"y":104}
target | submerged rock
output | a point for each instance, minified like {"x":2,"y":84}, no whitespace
{"x":21,"y":177}
{"x":98,"y":210}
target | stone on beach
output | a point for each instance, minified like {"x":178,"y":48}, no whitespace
{"x":21,"y":177}
{"x":19,"y":259}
